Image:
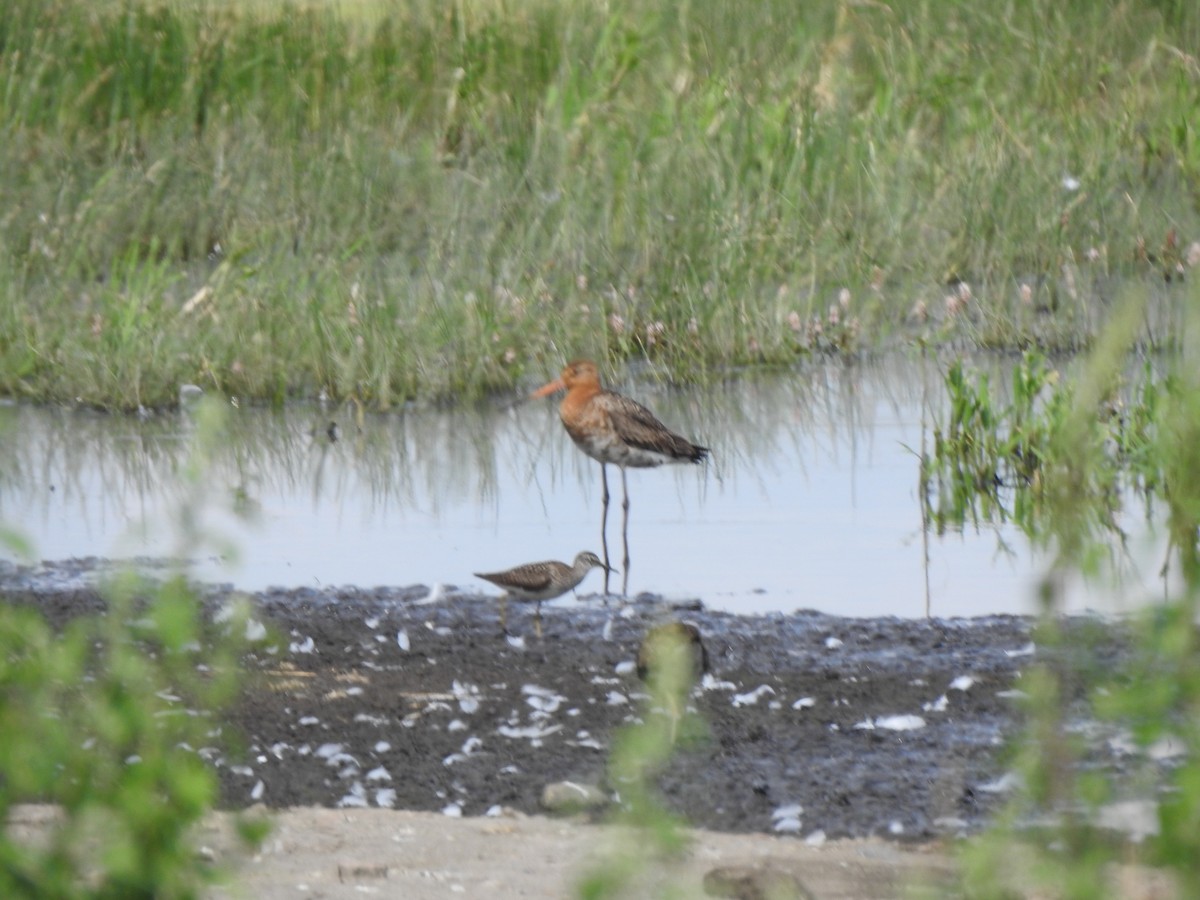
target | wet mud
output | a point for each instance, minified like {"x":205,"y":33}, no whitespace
{"x":810,"y":724}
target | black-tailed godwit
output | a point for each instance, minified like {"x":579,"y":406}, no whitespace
{"x":540,"y":581}
{"x":611,"y":428}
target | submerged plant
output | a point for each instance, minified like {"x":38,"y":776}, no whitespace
{"x":995,"y":459}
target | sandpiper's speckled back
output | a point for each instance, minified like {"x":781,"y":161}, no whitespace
{"x":543,"y":580}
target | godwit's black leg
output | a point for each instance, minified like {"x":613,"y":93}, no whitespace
{"x":604,"y":524}
{"x":625,"y":534}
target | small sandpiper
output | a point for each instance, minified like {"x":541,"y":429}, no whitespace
{"x":540,"y":581}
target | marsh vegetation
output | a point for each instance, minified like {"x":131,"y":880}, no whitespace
{"x":390,"y":202}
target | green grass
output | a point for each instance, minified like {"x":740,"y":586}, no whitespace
{"x":431,"y":200}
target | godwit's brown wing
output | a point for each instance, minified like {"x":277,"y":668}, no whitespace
{"x":637,"y":427}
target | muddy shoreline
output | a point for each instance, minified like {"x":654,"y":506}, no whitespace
{"x":811,"y":724}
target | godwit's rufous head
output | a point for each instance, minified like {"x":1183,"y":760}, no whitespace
{"x":582,"y":373}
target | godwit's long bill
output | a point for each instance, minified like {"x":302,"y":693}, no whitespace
{"x":611,"y":428}
{"x":540,"y":581}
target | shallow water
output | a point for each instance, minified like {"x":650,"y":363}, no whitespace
{"x":810,"y":499}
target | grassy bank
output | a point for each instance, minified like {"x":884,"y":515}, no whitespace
{"x":429,"y":199}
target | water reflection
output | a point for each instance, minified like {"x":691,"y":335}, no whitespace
{"x":810,"y":500}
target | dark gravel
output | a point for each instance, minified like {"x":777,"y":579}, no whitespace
{"x":386,"y":700}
